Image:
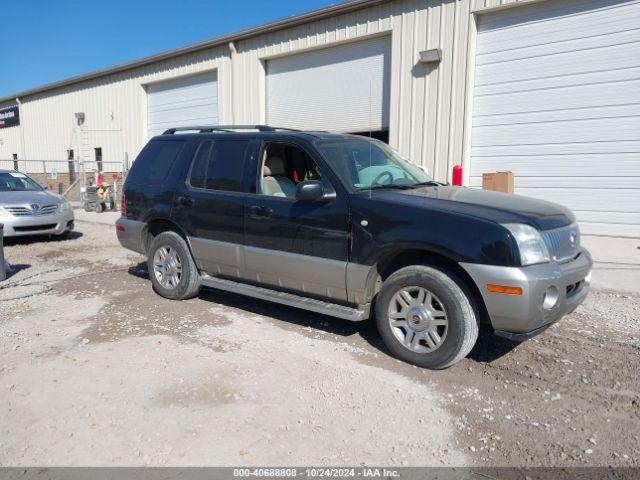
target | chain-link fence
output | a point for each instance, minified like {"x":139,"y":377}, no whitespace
{"x":70,"y":177}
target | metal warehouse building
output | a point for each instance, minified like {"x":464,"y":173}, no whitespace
{"x":548,"y":89}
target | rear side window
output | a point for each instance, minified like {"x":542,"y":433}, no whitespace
{"x":198,"y":175}
{"x":226,"y":165}
{"x":154,"y":162}
{"x":219,"y":165}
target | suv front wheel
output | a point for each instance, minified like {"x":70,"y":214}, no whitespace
{"x":173,"y":272}
{"x":425,"y":317}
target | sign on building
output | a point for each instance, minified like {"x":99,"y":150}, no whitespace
{"x":9,"y":117}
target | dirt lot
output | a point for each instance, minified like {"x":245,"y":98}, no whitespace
{"x":95,"y":369}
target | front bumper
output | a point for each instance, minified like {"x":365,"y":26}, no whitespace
{"x":549,"y":291}
{"x":55,"y":224}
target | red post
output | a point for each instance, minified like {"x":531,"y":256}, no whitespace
{"x":457,"y":176}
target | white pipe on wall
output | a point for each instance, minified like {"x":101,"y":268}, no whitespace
{"x":23,"y":154}
{"x":233,"y":51}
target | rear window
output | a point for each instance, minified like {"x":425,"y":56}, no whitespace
{"x":226,"y":165}
{"x":219,"y":165}
{"x":154,"y":162}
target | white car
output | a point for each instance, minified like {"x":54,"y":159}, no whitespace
{"x":28,"y":209}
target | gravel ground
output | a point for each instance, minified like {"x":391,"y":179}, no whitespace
{"x":95,"y":369}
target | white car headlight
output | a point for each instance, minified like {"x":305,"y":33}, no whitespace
{"x":530,"y":243}
{"x":64,"y":207}
{"x":4,"y":213}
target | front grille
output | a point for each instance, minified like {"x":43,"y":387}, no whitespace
{"x":32,"y":212}
{"x":35,"y":228}
{"x":563,"y":243}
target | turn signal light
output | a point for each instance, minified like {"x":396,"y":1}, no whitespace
{"x":504,"y":289}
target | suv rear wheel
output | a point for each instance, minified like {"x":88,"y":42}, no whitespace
{"x":173,"y":272}
{"x":425,"y":317}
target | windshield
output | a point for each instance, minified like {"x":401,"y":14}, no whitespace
{"x":17,"y":182}
{"x":365,"y":163}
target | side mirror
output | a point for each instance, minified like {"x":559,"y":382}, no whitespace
{"x":310,"y":191}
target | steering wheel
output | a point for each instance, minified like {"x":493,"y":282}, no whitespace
{"x":380,"y":176}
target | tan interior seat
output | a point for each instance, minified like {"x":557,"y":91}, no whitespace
{"x":274,"y":181}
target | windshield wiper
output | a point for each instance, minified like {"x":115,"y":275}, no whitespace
{"x":380,"y":187}
{"x":430,"y":183}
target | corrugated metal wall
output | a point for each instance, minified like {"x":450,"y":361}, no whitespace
{"x":114,"y":108}
{"x":9,"y":139}
{"x":427,"y":103}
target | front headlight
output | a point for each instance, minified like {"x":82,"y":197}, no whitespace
{"x":4,"y":213}
{"x":64,"y":207}
{"x":530,"y":243}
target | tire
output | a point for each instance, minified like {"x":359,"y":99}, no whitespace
{"x":87,"y":207}
{"x":173,"y":286}
{"x":448,"y":314}
{"x":98,"y":208}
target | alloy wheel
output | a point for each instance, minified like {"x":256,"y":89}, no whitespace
{"x":418,"y":319}
{"x":167,"y":267}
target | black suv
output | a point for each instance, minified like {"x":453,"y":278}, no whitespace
{"x":345,"y":226}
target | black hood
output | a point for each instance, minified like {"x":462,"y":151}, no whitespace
{"x":493,"y":206}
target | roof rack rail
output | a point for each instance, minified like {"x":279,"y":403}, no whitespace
{"x":226,"y":128}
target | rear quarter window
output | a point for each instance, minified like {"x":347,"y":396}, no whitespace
{"x":154,"y":162}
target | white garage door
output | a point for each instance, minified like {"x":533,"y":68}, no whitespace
{"x":343,"y":88}
{"x":557,"y":101}
{"x":188,"y":101}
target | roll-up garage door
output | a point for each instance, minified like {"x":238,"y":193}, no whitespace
{"x":557,"y":101}
{"x":343,"y":88}
{"x":187,"y":101}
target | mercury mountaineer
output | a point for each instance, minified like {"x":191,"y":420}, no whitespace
{"x":345,"y":226}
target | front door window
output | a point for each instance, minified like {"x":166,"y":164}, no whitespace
{"x":283,"y":167}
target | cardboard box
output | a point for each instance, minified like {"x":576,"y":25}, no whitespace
{"x":498,"y":181}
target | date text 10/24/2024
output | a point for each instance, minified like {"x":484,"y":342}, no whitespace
{"x":318,"y":472}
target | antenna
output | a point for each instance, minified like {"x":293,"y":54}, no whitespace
{"x":370,"y":128}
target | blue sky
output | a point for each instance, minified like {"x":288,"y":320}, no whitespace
{"x":48,"y":40}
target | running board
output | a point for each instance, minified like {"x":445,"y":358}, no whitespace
{"x":289,"y":299}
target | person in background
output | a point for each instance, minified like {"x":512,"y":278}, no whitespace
{"x":101,"y":193}
{"x":110,"y":197}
